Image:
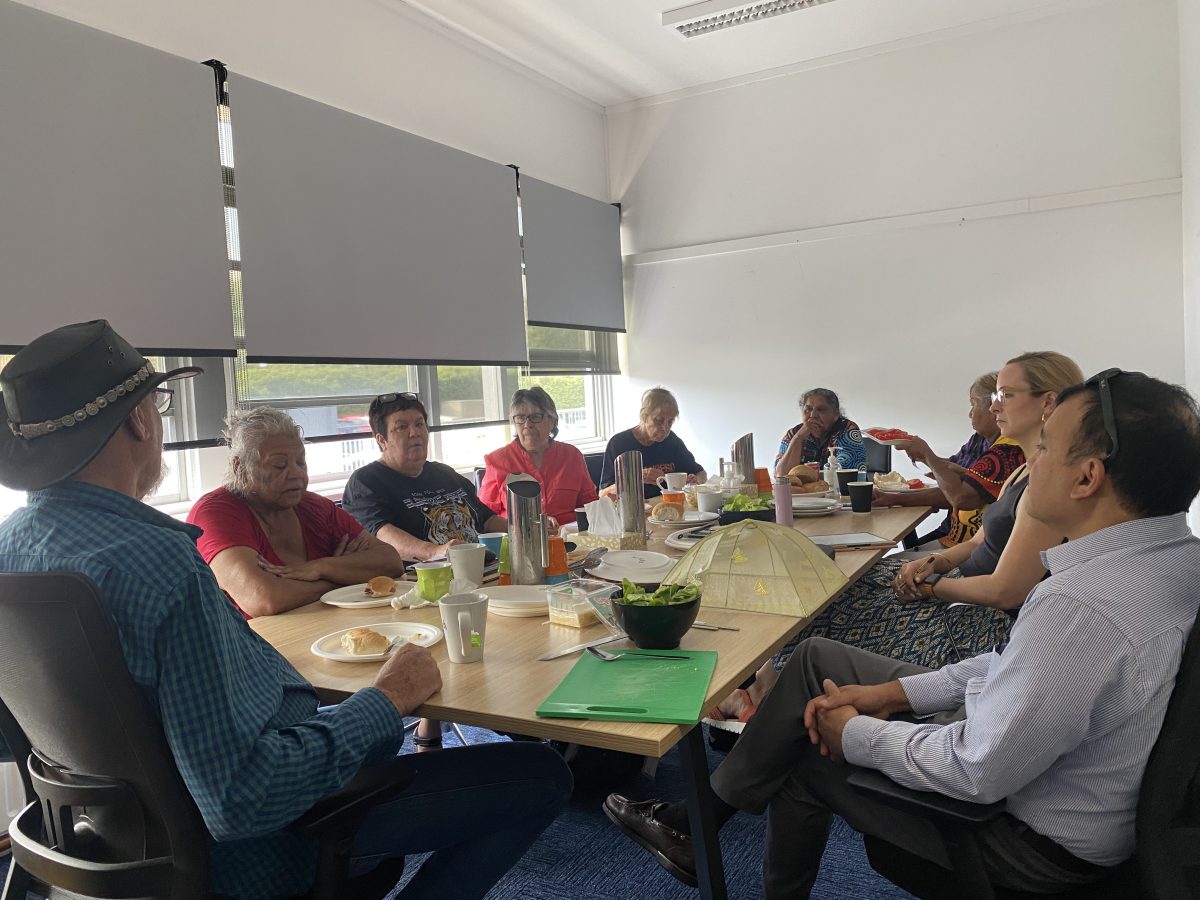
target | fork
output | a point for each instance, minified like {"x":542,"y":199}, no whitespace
{"x":612,"y":657}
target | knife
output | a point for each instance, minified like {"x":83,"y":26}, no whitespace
{"x":569,"y":650}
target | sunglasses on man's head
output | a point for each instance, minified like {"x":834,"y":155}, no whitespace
{"x":1102,"y":381}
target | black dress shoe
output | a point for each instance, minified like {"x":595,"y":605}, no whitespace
{"x":672,"y":849}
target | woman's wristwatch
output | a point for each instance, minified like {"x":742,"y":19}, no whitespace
{"x":928,"y":583}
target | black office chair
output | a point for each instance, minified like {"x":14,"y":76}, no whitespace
{"x":595,"y":466}
{"x":112,"y":816}
{"x":1166,"y":865}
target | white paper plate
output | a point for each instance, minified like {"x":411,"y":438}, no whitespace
{"x":811,"y":503}
{"x":900,"y":489}
{"x":330,"y":646}
{"x":637,"y":559}
{"x":890,"y":443}
{"x":352,"y":596}
{"x":637,"y":576}
{"x":814,"y":513}
{"x":690,"y":518}
{"x":517,"y":600}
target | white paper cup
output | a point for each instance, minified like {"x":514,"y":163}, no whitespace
{"x":467,"y":562}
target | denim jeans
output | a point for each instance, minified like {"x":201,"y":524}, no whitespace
{"x":478,"y":809}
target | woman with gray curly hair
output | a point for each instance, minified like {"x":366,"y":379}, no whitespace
{"x":559,"y":468}
{"x":824,"y":428}
{"x":272,"y":543}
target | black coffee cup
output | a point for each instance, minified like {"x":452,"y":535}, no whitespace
{"x":845,"y":477}
{"x":861,"y":493}
{"x":581,"y":519}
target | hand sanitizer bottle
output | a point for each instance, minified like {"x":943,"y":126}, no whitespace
{"x":831,"y":469}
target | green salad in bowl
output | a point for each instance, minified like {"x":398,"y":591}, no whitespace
{"x":656,"y":620}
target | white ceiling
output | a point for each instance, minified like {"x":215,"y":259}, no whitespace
{"x":615,"y":51}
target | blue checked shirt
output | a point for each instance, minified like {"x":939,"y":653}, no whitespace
{"x":245,"y":730}
{"x":1063,"y":720}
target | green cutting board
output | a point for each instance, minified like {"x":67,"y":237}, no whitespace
{"x":634,"y":690}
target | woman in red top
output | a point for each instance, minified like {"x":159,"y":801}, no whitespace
{"x":271,"y":543}
{"x":559,"y":468}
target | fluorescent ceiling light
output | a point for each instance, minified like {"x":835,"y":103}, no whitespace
{"x":708,"y":16}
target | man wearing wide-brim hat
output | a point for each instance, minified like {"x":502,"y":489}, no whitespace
{"x":83,"y":433}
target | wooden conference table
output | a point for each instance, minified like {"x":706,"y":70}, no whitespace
{"x":502,"y":692}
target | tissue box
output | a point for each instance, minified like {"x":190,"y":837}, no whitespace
{"x":627,"y":541}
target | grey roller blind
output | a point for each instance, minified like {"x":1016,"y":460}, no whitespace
{"x":363,"y":243}
{"x":110,"y":189}
{"x":572,"y":258}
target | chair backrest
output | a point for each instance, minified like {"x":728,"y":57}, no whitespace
{"x":64,"y":679}
{"x":595,"y":465}
{"x":1168,"y":814}
{"x":480,"y":472}
{"x":879,"y":456}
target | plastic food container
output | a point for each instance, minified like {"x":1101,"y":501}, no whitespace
{"x":582,"y":602}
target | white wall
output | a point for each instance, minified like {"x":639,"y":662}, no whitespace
{"x":379,"y":60}
{"x":1189,"y":110}
{"x":894,"y":226}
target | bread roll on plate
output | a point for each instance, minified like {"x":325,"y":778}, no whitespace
{"x":380,"y":586}
{"x":813,"y":487}
{"x":802,"y":475}
{"x":364,"y":642}
{"x":667,"y":512}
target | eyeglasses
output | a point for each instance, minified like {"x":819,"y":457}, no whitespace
{"x":1006,"y":394}
{"x":1102,"y":381}
{"x":532,"y":418}
{"x":163,"y":398}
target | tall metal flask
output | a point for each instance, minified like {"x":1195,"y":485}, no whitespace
{"x":527,"y":532}
{"x":742,"y":457}
{"x":631,"y":497}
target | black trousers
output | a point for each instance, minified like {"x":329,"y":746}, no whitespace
{"x":774,"y":768}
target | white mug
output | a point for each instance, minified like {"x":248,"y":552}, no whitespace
{"x":464,"y":619}
{"x":710,"y":501}
{"x":467,"y":562}
{"x":672,"y":481}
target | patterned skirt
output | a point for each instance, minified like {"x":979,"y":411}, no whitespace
{"x":926,"y":633}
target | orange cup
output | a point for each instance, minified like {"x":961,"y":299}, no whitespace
{"x":675,"y":497}
{"x":762,"y":479}
{"x":557,"y":564}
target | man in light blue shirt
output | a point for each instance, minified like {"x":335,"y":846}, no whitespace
{"x":246,"y":732}
{"x":1060,"y":720}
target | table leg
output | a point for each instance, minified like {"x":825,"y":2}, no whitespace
{"x":709,"y":870}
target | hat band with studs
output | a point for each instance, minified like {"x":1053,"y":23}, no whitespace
{"x":41,"y":429}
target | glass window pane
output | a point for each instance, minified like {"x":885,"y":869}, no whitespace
{"x":270,"y":381}
{"x":562,"y":339}
{"x":460,"y":394}
{"x":337,"y":458}
{"x":466,"y":447}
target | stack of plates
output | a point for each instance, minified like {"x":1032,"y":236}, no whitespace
{"x":639,"y":566}
{"x":517,"y":600}
{"x":807,"y":506}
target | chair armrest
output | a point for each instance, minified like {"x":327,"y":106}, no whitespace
{"x":884,"y":790}
{"x":349,"y":804}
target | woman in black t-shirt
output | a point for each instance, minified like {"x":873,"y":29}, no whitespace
{"x":662,"y":451}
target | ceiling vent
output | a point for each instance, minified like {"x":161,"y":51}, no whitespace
{"x":698,"y":19}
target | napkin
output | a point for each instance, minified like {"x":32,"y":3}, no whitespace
{"x":602,"y":516}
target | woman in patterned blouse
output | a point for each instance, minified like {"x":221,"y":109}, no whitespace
{"x":825,"y":427}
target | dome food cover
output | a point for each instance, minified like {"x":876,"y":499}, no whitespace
{"x":761,"y":567}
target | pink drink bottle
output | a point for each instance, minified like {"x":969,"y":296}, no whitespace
{"x":783,"y":500}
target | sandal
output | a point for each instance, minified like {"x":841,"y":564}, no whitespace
{"x":718,"y":719}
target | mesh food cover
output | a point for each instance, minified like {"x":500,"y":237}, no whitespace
{"x":761,"y":567}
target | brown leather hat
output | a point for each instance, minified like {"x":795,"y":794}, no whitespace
{"x":65,"y":395}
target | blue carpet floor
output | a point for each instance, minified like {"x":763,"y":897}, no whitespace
{"x":583,"y":857}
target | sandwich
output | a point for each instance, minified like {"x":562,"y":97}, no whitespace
{"x":365,"y":642}
{"x":380,"y":586}
{"x":819,"y":486}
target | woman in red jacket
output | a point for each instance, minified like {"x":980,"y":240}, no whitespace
{"x":559,"y":468}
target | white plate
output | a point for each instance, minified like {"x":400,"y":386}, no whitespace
{"x":517,"y":600}
{"x":900,"y":489}
{"x":690,"y":518}
{"x":637,"y":559}
{"x":352,"y":596}
{"x":330,"y":646}
{"x":891,"y":443}
{"x":810,"y":503}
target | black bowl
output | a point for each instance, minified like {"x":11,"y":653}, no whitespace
{"x":759,"y":515}
{"x":656,"y":627}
